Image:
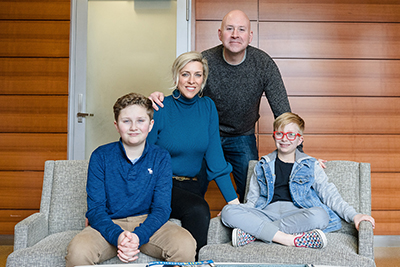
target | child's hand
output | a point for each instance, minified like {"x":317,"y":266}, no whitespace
{"x":322,"y":163}
{"x":362,"y":217}
{"x":128,"y":247}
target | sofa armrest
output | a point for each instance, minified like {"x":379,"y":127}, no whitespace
{"x":366,"y":239}
{"x":218,"y":233}
{"x":30,"y":231}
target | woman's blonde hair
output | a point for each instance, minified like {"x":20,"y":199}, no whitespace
{"x":287,"y":118}
{"x":185,"y":58}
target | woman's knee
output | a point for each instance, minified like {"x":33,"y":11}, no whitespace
{"x":199,"y":210}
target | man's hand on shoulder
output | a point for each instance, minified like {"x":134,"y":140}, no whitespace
{"x":128,"y":246}
{"x":157,"y":98}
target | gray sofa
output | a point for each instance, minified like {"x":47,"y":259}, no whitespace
{"x":346,"y":247}
{"x":42,"y":238}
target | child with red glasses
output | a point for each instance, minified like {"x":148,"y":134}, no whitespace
{"x":290,"y":200}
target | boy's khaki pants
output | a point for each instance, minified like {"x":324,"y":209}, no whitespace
{"x":170,"y":243}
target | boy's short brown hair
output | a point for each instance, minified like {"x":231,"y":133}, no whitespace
{"x":287,"y":118}
{"x":133,"y":99}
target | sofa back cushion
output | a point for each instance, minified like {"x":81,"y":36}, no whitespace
{"x":68,"y":196}
{"x":346,"y":176}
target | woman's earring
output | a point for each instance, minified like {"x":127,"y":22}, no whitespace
{"x":177,"y":97}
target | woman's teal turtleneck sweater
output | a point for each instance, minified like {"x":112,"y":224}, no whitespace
{"x":189,"y":130}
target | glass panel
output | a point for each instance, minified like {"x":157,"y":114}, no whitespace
{"x":131,"y":46}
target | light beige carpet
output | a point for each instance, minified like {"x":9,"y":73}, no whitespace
{"x":387,"y":256}
{"x":4,"y":252}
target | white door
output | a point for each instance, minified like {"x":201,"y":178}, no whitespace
{"x":119,"y":47}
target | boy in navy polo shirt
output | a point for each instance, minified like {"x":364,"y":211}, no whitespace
{"x":129,"y":196}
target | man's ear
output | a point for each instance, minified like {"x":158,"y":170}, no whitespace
{"x":250,"y":36}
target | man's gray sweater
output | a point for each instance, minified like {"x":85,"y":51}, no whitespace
{"x":237,"y":89}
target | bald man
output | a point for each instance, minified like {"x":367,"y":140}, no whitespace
{"x":239,"y":75}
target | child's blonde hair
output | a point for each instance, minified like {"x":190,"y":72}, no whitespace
{"x":287,"y":118}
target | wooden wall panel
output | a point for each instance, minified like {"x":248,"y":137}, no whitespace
{"x":340,"y":62}
{"x":9,"y":218}
{"x":387,"y":222}
{"x":34,"y":62}
{"x":381,"y":152}
{"x":216,"y":10}
{"x":207,"y":34}
{"x":214,"y":197}
{"x":385,"y":191}
{"x":34,"y":39}
{"x":340,"y":77}
{"x":19,"y":76}
{"x":21,"y":152}
{"x":327,"y":10}
{"x":34,"y":10}
{"x":330,"y":40}
{"x":34,"y":114}
{"x":344,"y":115}
{"x":20,"y":190}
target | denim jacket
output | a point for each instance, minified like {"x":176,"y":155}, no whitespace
{"x":308,"y":185}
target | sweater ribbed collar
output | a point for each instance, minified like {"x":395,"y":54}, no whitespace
{"x":181,"y":99}
{"x":244,"y":57}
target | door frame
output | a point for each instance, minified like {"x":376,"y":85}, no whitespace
{"x":77,"y":67}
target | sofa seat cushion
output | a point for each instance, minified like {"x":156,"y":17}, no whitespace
{"x":341,"y":250}
{"x":51,"y":251}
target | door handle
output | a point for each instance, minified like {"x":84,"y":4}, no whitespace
{"x":81,"y":114}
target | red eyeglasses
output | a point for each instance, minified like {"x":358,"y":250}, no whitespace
{"x":289,"y":135}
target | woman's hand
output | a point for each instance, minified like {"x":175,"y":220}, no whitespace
{"x":235,"y":201}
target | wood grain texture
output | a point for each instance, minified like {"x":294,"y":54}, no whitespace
{"x":34,"y":39}
{"x":330,"y":40}
{"x":319,"y":77}
{"x":387,"y":222}
{"x":341,"y":115}
{"x":28,"y":152}
{"x":385,"y":191}
{"x":33,"y":76}
{"x":35,"y":10}
{"x":207,"y":34}
{"x":216,"y":10}
{"x":9,"y":218}
{"x":35,"y":114}
{"x":327,"y":10}
{"x":381,"y":151}
{"x":20,"y":190}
